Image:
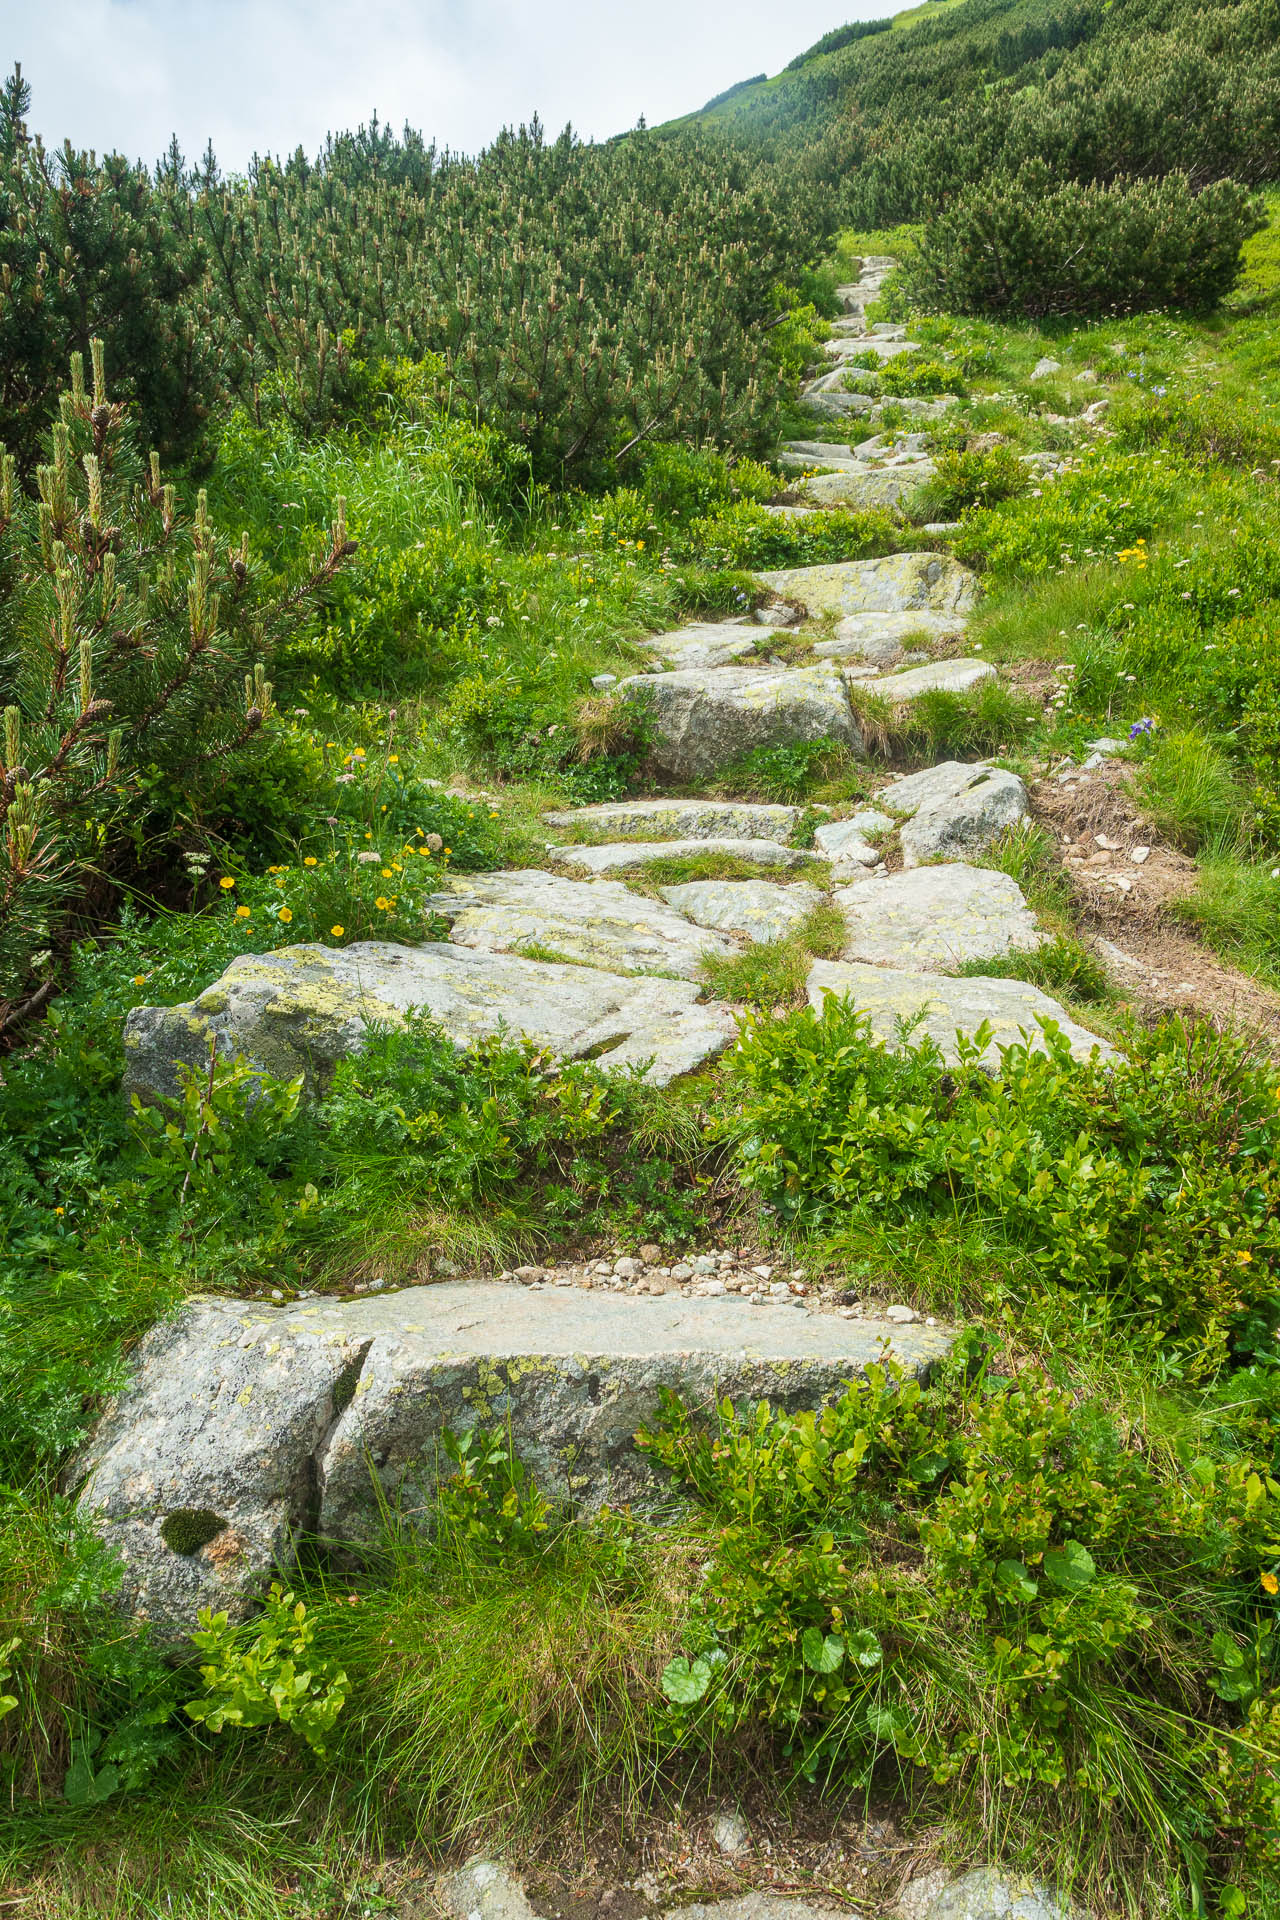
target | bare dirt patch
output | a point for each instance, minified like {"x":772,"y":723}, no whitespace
{"x":633,"y":1868}
{"x":1125,"y":884}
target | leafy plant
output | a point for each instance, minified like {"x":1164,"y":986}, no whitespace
{"x":1148,"y":1177}
{"x":267,"y":1673}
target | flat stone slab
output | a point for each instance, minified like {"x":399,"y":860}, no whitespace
{"x":682,"y":820}
{"x":302,"y":1009}
{"x":898,"y":583}
{"x":706,"y":643}
{"x":891,"y":996}
{"x":704,"y":720}
{"x":281,"y":1422}
{"x":599,"y":923}
{"x":845,"y":841}
{"x":932,"y":786}
{"x":936,"y":917}
{"x":868,"y":486}
{"x":985,"y":1893}
{"x":945,"y":676}
{"x":642,"y":853}
{"x":755,"y":909}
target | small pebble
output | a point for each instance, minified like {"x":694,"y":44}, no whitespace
{"x":902,"y":1316}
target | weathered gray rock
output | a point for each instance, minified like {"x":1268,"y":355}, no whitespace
{"x":282,"y":1421}
{"x":763,"y":1904}
{"x":682,"y":820}
{"x":302,"y":1009}
{"x":704,"y":720}
{"x":891,"y":997}
{"x":597,"y":923}
{"x":967,"y":822}
{"x":898,"y":583}
{"x":936,"y":918}
{"x":755,"y":909}
{"x":868,"y":486}
{"x":948,"y":676}
{"x":845,"y":842}
{"x":483,"y":1890}
{"x":706,"y":644}
{"x":984,"y":1894}
{"x":882,"y":638}
{"x":642,"y":853}
{"x":932,"y":786}
{"x":1044,"y":367}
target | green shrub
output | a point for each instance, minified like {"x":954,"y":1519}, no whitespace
{"x":915,"y":374}
{"x":964,"y":481}
{"x":136,"y":646}
{"x":1150,"y":1178}
{"x":748,"y":535}
{"x":1029,"y":245}
{"x":270,"y":1672}
{"x":984,"y":1582}
{"x":122,"y":272}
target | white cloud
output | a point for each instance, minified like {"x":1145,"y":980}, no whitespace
{"x":270,"y":75}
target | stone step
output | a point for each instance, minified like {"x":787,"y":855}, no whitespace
{"x":596,"y":923}
{"x":707,"y":643}
{"x":300,"y":1010}
{"x":899,"y":583}
{"x":682,"y":819}
{"x":954,"y":809}
{"x":704,"y":720}
{"x":280,"y":1422}
{"x":935,"y":918}
{"x":894,"y":999}
{"x":642,"y":853}
{"x":946,"y":676}
{"x":751,"y":909}
{"x":886,"y":486}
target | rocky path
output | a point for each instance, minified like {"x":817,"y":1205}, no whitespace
{"x":263,"y":1419}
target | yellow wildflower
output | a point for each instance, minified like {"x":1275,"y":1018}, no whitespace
{"x":337,"y":932}
{"x":310,"y":860}
{"x":242,"y":913}
{"x":226,"y":881}
{"x":382,"y":903}
{"x":138,"y":979}
{"x":286,"y":915}
{"x":1269,"y":1582}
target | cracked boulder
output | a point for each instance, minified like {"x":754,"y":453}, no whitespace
{"x":319,"y":1416}
{"x":936,"y":917}
{"x":302,"y":1009}
{"x":955,"y":809}
{"x":707,"y":643}
{"x":597,"y":923}
{"x":704,"y":720}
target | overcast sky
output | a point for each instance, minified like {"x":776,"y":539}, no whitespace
{"x":268,"y":75}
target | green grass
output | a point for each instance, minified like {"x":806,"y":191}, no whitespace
{"x":1189,"y":792}
{"x":768,"y":974}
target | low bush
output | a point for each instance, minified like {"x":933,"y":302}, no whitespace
{"x":1035,"y":246}
{"x":984,"y":1584}
{"x":1150,"y":1179}
{"x":964,"y":481}
{"x":747,"y":535}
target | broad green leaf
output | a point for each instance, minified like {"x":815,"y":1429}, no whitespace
{"x":1069,"y":1566}
{"x":1014,"y":1578}
{"x":685,"y":1682}
{"x":865,"y":1648}
{"x":821,"y":1655}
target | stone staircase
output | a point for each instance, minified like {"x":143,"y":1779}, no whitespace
{"x":268,"y":1419}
